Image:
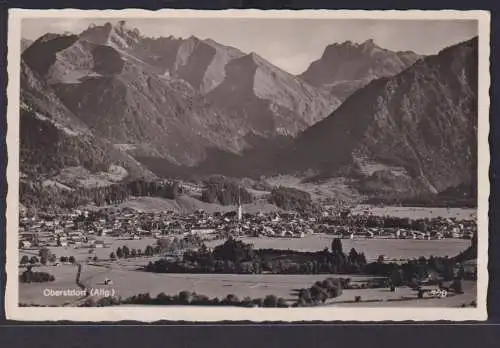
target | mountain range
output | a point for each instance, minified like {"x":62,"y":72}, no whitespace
{"x":172,"y":106}
{"x":345,"y":67}
{"x":415,"y":132}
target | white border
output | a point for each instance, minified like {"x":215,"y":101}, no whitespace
{"x":211,"y":314}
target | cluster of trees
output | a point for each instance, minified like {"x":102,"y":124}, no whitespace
{"x":434,"y":270}
{"x":225,"y":192}
{"x":170,"y":190}
{"x":29,"y":276}
{"x":321,"y":291}
{"x":70,"y":259}
{"x":289,"y":198}
{"x":372,"y":221}
{"x":463,"y":195}
{"x":186,"y":298}
{"x":235,"y":256}
{"x":34,"y":194}
{"x":29,"y":260}
{"x":45,"y":256}
{"x":125,"y":252}
{"x":45,"y":150}
{"x":162,"y":246}
{"x":118,"y":193}
{"x":470,"y":253}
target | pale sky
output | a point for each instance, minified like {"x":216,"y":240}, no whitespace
{"x":291,"y":44}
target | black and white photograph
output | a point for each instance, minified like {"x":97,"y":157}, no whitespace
{"x":247,"y":165}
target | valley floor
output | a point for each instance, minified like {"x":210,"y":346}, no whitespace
{"x":128,"y":282}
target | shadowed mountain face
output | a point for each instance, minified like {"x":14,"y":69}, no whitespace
{"x":415,"y":132}
{"x":187,"y":107}
{"x":53,"y":138}
{"x":173,"y":99}
{"x":344,"y":68}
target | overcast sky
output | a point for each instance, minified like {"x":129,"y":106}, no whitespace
{"x":291,"y":44}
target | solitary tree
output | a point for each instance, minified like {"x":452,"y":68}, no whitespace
{"x":25,"y":259}
{"x":119,"y":252}
{"x":45,"y":255}
{"x":149,"y":251}
{"x":126,"y":251}
{"x":270,"y":301}
{"x":337,"y":246}
{"x":185,"y":297}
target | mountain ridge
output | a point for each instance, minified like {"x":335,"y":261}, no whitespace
{"x":164,"y":98}
{"x":406,"y":129}
{"x":347,"y":66}
{"x":182,"y":107}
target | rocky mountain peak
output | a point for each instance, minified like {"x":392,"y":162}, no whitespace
{"x":115,"y":34}
{"x":412,"y":133}
{"x":346,"y":67}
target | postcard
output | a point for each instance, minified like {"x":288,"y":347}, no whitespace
{"x":247,"y":165}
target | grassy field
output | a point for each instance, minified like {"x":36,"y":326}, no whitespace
{"x":418,"y":212}
{"x":335,"y":188}
{"x":128,"y":282}
{"x":390,"y":248}
{"x":404,"y":297}
{"x":65,"y":276}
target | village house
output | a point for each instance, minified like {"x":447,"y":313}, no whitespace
{"x":26,"y":244}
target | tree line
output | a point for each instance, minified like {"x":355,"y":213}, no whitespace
{"x":225,"y":192}
{"x":34,"y":194}
{"x":292,"y":199}
{"x":29,"y":276}
{"x":186,"y":298}
{"x":237,"y":257}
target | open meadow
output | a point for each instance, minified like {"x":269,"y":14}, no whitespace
{"x":418,"y":212}
{"x":129,"y":282}
{"x":391,"y":248}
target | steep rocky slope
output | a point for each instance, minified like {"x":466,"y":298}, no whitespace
{"x":345,"y":67}
{"x":53,"y":138}
{"x":199,"y":62}
{"x":172,"y":99}
{"x":415,"y":133}
{"x":269,"y":100}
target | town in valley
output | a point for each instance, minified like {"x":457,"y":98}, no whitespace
{"x":324,"y":163}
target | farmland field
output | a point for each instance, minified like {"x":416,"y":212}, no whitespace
{"x":65,"y":276}
{"x":418,"y":212}
{"x":127,"y":283}
{"x":390,"y":248}
{"x":385,"y":298}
